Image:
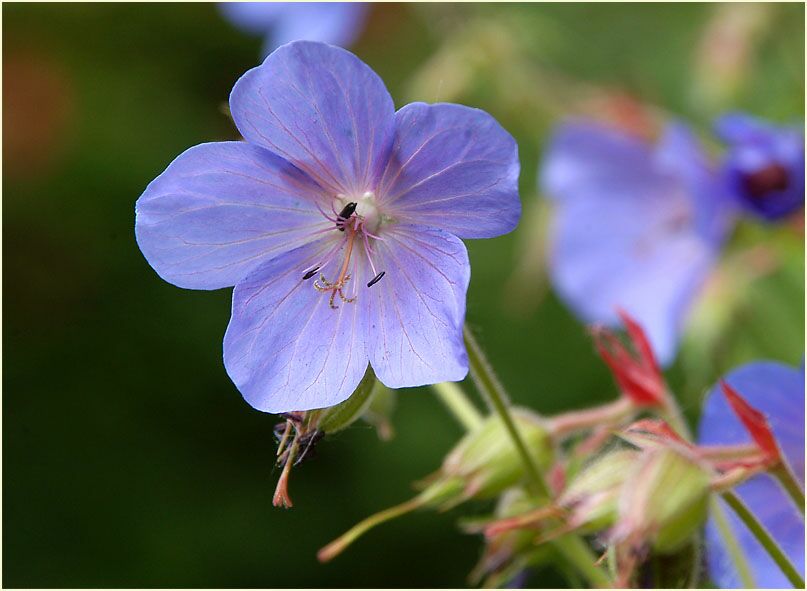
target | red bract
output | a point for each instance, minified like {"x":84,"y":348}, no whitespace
{"x":636,"y":372}
{"x":754,"y":421}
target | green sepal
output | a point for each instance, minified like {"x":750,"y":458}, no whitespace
{"x":344,"y":414}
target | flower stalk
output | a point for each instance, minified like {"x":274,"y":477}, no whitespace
{"x":765,"y":539}
{"x":750,"y":520}
{"x":455,"y":400}
{"x":493,"y":391}
{"x":346,"y":539}
{"x":573,"y":549}
{"x":792,"y":487}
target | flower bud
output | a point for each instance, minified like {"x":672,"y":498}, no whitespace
{"x":592,"y":496}
{"x":486,"y":462}
{"x":482,"y":465}
{"x":663,"y":501}
{"x":508,"y":553}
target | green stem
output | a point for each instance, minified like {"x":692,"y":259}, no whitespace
{"x":738,"y":557}
{"x":765,"y":539}
{"x":579,"y":555}
{"x":674,"y":415}
{"x":458,"y":404}
{"x":571,"y":547}
{"x":339,"y":544}
{"x":790,"y":484}
{"x":493,"y":391}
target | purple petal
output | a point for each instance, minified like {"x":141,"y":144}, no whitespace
{"x":417,"y":310}
{"x":337,"y":23}
{"x":322,"y":109}
{"x":585,"y":158}
{"x":635,"y":227}
{"x":778,"y":391}
{"x":219,"y":210}
{"x":285,"y":348}
{"x":454,"y":168}
{"x":254,"y":17}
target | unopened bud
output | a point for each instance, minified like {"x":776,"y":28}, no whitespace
{"x":487,"y":461}
{"x":664,"y":500}
{"x":592,"y":496}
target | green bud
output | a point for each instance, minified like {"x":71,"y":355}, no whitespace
{"x":665,"y":499}
{"x":336,"y":418}
{"x":594,"y":492}
{"x":486,"y":462}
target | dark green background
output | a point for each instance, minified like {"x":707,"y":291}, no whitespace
{"x":129,"y":457}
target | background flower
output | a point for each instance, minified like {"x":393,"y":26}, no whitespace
{"x":778,"y":391}
{"x":337,"y":23}
{"x":635,"y":226}
{"x":764,"y":167}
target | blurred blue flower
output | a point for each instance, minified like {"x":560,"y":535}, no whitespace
{"x":338,"y":221}
{"x":777,"y":390}
{"x":636,"y":226}
{"x":764,"y":167}
{"x":337,"y":23}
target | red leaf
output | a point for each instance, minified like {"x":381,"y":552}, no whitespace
{"x":754,"y":421}
{"x":636,"y":372}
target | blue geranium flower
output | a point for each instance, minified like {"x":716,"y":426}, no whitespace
{"x":764,"y":168}
{"x":337,"y":23}
{"x":637,"y":226}
{"x":777,"y":390}
{"x":338,"y":221}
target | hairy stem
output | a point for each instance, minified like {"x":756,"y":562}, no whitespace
{"x":573,"y":549}
{"x":765,"y":539}
{"x":339,"y":544}
{"x":735,"y":552}
{"x":785,"y":477}
{"x":493,"y":391}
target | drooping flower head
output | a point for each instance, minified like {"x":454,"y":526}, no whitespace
{"x":337,"y":23}
{"x":636,"y":226}
{"x":339,"y":221}
{"x":764,"y":167}
{"x":777,"y":391}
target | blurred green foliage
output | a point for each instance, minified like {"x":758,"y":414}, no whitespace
{"x":129,"y":457}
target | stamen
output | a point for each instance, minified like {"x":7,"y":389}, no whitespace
{"x":310,"y":273}
{"x":376,"y":279}
{"x":322,"y":211}
{"x":369,"y":252}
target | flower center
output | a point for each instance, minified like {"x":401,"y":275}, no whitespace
{"x":358,"y":219}
{"x":367,"y":210}
{"x":766,"y":180}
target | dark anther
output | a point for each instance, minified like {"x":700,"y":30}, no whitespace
{"x":308,"y":444}
{"x":376,"y":279}
{"x":343,"y":215}
{"x":310,"y":273}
